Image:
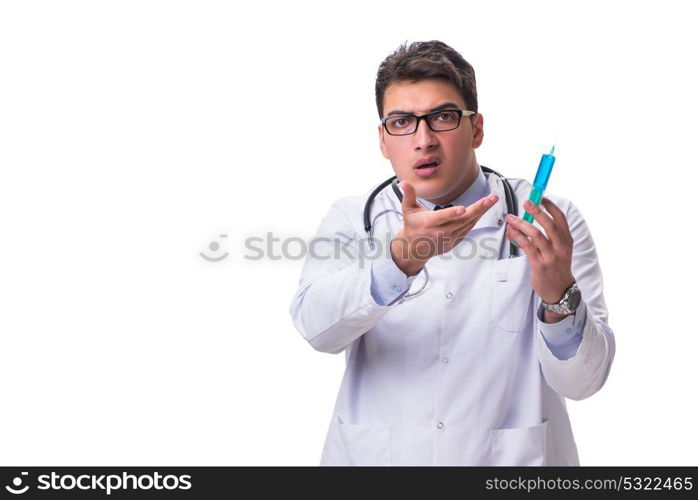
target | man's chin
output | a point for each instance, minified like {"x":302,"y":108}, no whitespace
{"x":427,"y":190}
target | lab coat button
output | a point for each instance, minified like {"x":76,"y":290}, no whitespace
{"x":449,"y":295}
{"x":444,"y":359}
{"x":440,"y":425}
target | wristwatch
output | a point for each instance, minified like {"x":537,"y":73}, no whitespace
{"x":568,"y":303}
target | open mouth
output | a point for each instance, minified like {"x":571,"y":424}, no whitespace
{"x":427,"y":170}
{"x":428,"y":165}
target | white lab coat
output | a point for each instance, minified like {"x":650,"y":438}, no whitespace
{"x":459,"y":374}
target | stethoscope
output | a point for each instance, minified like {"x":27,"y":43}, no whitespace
{"x":393,"y":181}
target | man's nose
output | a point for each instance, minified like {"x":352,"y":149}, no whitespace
{"x":424,"y":136}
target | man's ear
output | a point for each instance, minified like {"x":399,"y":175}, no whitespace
{"x":381,"y":141}
{"x":478,"y":130}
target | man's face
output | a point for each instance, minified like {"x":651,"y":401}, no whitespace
{"x":454,"y":148}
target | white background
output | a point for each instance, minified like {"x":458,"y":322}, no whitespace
{"x":133,"y":134}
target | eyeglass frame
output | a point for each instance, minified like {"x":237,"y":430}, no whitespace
{"x":461,"y":113}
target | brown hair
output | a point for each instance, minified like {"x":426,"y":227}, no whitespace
{"x":423,"y":60}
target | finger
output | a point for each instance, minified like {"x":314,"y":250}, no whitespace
{"x":537,"y":238}
{"x":461,"y":232}
{"x":539,"y":215}
{"x":409,"y":197}
{"x":454,"y":222}
{"x":521,"y":240}
{"x":472,"y":212}
{"x":558,"y":216}
{"x":482,"y":205}
{"x":458,"y":226}
{"x":448,"y":215}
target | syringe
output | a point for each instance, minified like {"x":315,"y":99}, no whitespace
{"x":545,"y":167}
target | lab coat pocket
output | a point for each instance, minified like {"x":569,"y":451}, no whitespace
{"x":520,"y":445}
{"x":511,"y":293}
{"x":360,"y":444}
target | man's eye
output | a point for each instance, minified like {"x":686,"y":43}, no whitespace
{"x":447,"y":116}
{"x":402,"y":122}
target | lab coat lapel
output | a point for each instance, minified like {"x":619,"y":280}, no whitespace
{"x":494,"y":217}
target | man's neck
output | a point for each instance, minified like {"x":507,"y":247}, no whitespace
{"x":456,"y":192}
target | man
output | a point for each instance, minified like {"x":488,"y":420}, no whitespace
{"x":455,"y":354}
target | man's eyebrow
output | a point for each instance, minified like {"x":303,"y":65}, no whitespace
{"x":437,"y":108}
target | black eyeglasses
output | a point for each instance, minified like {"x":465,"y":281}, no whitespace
{"x":438,"y":121}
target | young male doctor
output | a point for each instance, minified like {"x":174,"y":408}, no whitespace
{"x":455,"y":353}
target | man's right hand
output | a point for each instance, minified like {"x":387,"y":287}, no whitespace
{"x":427,"y":233}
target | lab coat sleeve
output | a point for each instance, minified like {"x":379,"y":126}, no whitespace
{"x":333,"y":305}
{"x":388,"y":283}
{"x":564,"y":337}
{"x":586,"y":371}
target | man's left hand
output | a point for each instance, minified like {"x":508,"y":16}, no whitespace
{"x":550,"y":256}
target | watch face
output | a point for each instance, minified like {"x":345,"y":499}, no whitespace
{"x":574,"y":299}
